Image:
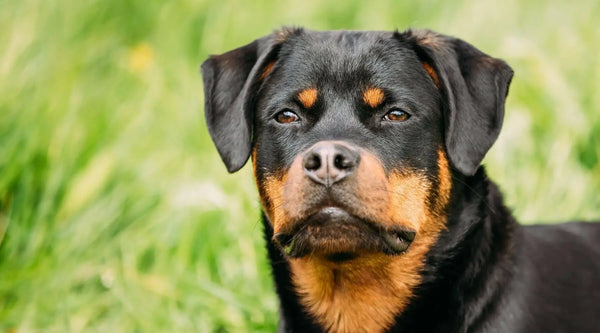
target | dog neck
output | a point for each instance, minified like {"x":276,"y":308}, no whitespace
{"x":469,"y":267}
{"x":364,"y":294}
{"x":376,"y":292}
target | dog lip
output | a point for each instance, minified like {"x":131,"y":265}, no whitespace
{"x":329,"y":214}
{"x":393,"y":241}
{"x":399,"y":241}
{"x":326,"y":214}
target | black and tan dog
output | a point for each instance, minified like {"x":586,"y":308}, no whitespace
{"x":366,"y":149}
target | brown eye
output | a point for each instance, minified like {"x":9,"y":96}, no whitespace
{"x":396,"y":115}
{"x":286,"y":117}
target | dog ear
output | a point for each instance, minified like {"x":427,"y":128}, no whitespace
{"x":231,"y":81}
{"x":474,"y":86}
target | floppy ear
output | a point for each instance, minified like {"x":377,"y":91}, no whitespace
{"x":474,"y":86}
{"x":231,"y":81}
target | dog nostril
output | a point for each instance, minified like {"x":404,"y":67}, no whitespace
{"x":341,"y":162}
{"x":312,"y":162}
{"x":338,"y":161}
{"x":345,"y":161}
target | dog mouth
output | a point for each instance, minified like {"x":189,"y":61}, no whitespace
{"x":340,"y":236}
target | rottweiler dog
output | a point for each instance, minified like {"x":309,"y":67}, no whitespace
{"x":378,"y":217}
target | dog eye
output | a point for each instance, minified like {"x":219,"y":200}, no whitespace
{"x":286,"y":116}
{"x":396,"y":115}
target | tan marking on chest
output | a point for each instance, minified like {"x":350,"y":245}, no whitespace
{"x":373,"y":97}
{"x":363,"y":295}
{"x":308,"y":97}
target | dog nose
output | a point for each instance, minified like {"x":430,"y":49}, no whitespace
{"x":328,"y":162}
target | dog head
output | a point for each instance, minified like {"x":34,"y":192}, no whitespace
{"x":354,"y":136}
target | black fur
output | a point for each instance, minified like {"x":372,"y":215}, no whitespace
{"x":474,"y":86}
{"x":229,"y":86}
{"x":486,"y":273}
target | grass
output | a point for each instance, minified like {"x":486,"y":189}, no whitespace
{"x":116,"y":214}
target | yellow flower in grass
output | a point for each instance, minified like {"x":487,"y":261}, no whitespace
{"x":140,"y":57}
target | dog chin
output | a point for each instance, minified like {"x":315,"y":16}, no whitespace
{"x":338,"y":236}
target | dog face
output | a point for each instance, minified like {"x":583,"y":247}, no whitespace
{"x":347,"y":145}
{"x":354,"y":136}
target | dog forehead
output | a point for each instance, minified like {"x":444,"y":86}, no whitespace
{"x":346,"y":58}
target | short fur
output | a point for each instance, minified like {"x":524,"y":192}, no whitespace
{"x":377,"y":214}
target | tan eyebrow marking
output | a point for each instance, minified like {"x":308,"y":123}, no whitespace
{"x":431,"y":73}
{"x":373,"y":97}
{"x":308,"y":97}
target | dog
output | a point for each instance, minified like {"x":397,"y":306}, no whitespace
{"x":378,"y":217}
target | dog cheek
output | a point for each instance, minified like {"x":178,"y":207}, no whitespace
{"x":408,"y":192}
{"x":409,"y":198}
{"x":281,"y":193}
{"x":270,"y":190}
{"x":444,"y":186}
{"x":295,"y":197}
{"x":371,"y":190}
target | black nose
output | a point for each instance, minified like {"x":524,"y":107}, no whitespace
{"x":328,"y":162}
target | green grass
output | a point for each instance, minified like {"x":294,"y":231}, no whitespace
{"x":116,"y":214}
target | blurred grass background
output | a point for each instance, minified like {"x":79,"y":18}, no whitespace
{"x":116,"y":214}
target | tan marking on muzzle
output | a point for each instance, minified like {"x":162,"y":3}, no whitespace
{"x":367,"y":293}
{"x":408,"y":198}
{"x":271,"y":195}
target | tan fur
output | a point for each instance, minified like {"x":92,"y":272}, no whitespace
{"x":271,"y":191}
{"x":363,"y":295}
{"x":283,"y":34}
{"x":366,"y":294}
{"x":429,"y":69}
{"x":445,"y":182}
{"x":427,"y":38}
{"x":371,"y":193}
{"x":253,"y":158}
{"x":267,"y":70}
{"x":308,"y":97}
{"x":373,"y":97}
